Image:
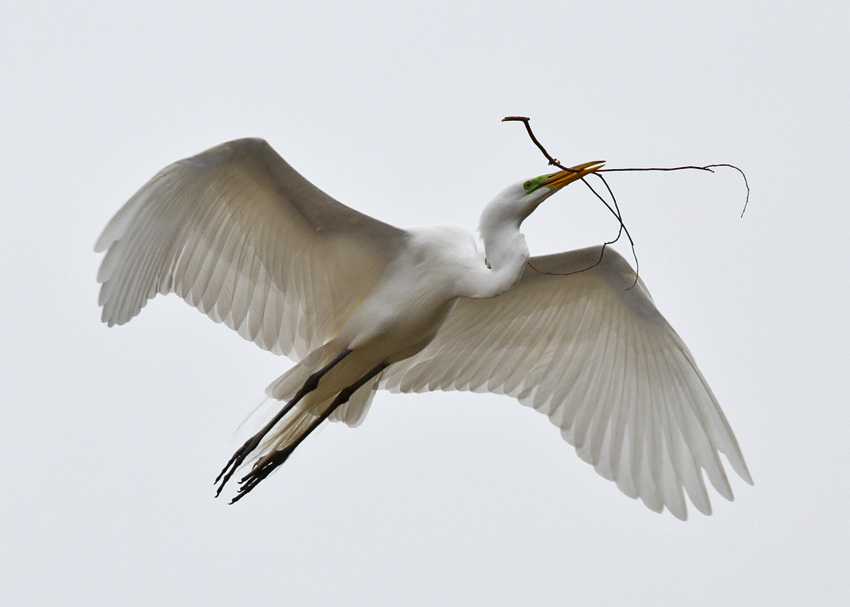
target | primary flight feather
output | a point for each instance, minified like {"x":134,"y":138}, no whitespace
{"x":361,"y":305}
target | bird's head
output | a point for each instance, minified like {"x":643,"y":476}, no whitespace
{"x":518,"y":201}
{"x":536,"y":190}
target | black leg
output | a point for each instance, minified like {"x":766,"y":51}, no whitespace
{"x":253,"y":442}
{"x":264,"y":468}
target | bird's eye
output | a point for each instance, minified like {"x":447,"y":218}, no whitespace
{"x":527,"y":185}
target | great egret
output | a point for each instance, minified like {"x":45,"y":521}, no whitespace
{"x":361,"y":305}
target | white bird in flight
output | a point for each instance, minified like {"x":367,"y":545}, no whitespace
{"x":359,"y":305}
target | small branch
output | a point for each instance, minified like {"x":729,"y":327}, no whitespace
{"x":709,"y":167}
{"x":746,"y":183}
{"x":525,"y":121}
{"x":682,"y":168}
{"x":615,"y":210}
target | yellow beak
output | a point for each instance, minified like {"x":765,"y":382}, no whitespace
{"x":556,"y":181}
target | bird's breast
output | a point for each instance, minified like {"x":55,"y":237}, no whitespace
{"x":410,"y":303}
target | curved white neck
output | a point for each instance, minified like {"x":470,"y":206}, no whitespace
{"x":506,"y":254}
{"x":504,"y":244}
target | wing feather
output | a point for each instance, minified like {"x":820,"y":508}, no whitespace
{"x":574,"y":341}
{"x":240,"y":235}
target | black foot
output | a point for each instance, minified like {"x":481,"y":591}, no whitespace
{"x":261,"y":471}
{"x":268,"y":464}
{"x":237,"y":459}
{"x":252,"y":443}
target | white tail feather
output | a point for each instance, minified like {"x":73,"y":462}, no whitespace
{"x":354,"y":411}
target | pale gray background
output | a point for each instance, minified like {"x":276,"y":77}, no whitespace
{"x":110,"y":439}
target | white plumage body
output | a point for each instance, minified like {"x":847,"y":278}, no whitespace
{"x":237,"y":233}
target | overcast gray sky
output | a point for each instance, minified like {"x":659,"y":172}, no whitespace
{"x":111,"y":438}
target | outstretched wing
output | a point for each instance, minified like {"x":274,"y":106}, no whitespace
{"x":599,"y":359}
{"x":239,"y":234}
